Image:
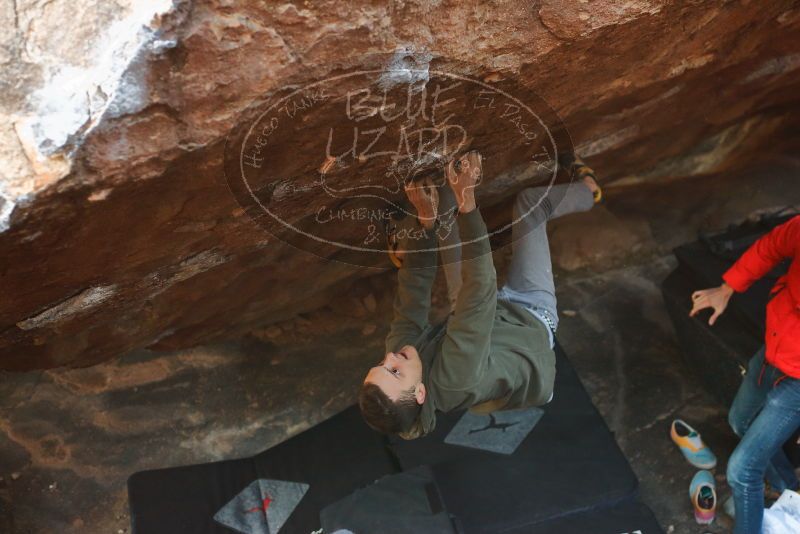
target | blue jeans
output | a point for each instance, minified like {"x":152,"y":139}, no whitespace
{"x":765,"y":413}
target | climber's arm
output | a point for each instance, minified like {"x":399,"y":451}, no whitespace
{"x":465,"y":349}
{"x":412,"y":301}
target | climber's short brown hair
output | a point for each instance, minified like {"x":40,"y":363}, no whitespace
{"x":385,"y":415}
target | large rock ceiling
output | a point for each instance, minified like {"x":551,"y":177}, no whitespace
{"x":119,"y":227}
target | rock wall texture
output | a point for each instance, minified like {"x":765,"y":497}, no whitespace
{"x":118,"y":224}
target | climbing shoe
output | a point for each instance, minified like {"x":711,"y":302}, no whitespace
{"x":692,"y":447}
{"x":703,"y":493}
{"x":580,"y":171}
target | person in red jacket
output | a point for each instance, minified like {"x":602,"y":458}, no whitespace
{"x":766,"y":410}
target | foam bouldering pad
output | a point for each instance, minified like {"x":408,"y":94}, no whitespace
{"x":568,"y":461}
{"x":281,"y":490}
{"x":550,"y":463}
{"x":395,"y":504}
{"x":626,"y":518}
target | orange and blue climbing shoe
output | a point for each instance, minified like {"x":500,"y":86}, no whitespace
{"x":703,"y":493}
{"x":691,"y":445}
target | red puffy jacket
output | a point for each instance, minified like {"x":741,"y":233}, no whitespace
{"x":783,"y":309}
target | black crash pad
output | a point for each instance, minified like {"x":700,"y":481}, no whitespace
{"x":401,"y":503}
{"x":313,"y":469}
{"x":625,"y":518}
{"x":569,"y":461}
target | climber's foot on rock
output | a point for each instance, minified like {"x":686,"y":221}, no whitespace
{"x":581,"y":171}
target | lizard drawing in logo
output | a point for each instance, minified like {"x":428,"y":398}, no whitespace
{"x":263,"y":508}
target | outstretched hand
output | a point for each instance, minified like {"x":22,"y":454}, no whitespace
{"x":425,"y":198}
{"x":716,"y":298}
{"x":464,"y":174}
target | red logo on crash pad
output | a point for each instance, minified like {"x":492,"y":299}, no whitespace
{"x":275,"y":499}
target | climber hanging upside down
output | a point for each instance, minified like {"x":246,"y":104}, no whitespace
{"x":495,"y":351}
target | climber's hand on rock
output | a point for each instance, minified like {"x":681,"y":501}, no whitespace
{"x":425,"y":198}
{"x":716,"y":298}
{"x":464,"y":174}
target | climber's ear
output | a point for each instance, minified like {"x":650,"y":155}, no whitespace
{"x":420,"y":393}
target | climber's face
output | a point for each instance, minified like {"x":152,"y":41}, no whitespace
{"x":398,"y":372}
